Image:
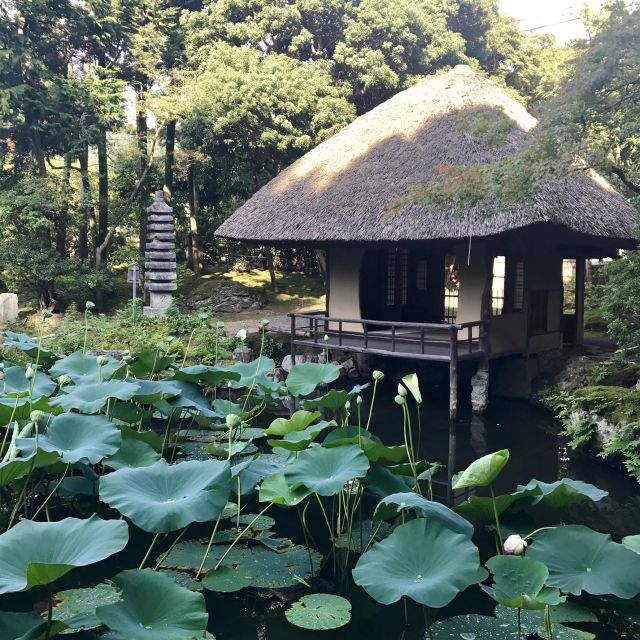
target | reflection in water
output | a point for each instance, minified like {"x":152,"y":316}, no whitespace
{"x":529,"y":433}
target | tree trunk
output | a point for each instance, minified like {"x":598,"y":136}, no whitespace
{"x":141,"y":129}
{"x":194,"y":210}
{"x":89,"y":226}
{"x":272,"y":271}
{"x":103,"y":186}
{"x":169,"y":157}
{"x":63,"y":218}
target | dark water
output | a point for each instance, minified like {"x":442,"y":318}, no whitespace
{"x":530,"y":434}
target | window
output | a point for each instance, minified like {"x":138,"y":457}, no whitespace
{"x":451,"y":289}
{"x":518,"y":287}
{"x":403,"y":274}
{"x":421,"y":275}
{"x":569,"y":287}
{"x":391,"y":277}
{"x":498,"y":285}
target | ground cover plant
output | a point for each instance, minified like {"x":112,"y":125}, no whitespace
{"x":180,"y":476}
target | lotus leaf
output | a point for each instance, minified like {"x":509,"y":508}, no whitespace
{"x":164,"y":497}
{"x":580,"y":559}
{"x":372,"y":446}
{"x":150,"y":437}
{"x":413,"y":385}
{"x":17,"y":384}
{"x":380,"y":481}
{"x":150,"y":361}
{"x":37,"y":553}
{"x":204,"y":374}
{"x":325,"y":471}
{"x":28,"y":345}
{"x":26,"y":626}
{"x":632,"y":542}
{"x":133,"y":453}
{"x":76,"y":437}
{"x":84,"y":368}
{"x":154,"y":607}
{"x":334,"y":399}
{"x":482,"y":472}
{"x":91,"y":397}
{"x":260,"y":567}
{"x":276,"y":489}
{"x":77,"y":607}
{"x":17,"y":468}
{"x":297,"y":422}
{"x":319,"y":611}
{"x":152,"y":390}
{"x":20,"y":408}
{"x":562,"y":493}
{"x":299,"y":440}
{"x":251,"y":372}
{"x":190,"y":397}
{"x":391,"y":506}
{"x":304,"y":378}
{"x":519,"y":582}
{"x":362,"y":534}
{"x":421,"y":559}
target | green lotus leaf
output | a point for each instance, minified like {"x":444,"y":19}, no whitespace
{"x":299,"y":440}
{"x":297,"y":422}
{"x":562,"y":493}
{"x":152,"y":390}
{"x":17,"y":468}
{"x":480,"y":507}
{"x":533,"y":622}
{"x":84,"y":368}
{"x":91,"y":397}
{"x":150,"y":437}
{"x":276,"y":489}
{"x":362,"y":534}
{"x":413,"y":385}
{"x":164,"y":497}
{"x":380,"y":481}
{"x":37,"y":553}
{"x":76,"y":436}
{"x":191,"y":396}
{"x":325,"y":471}
{"x":319,"y":612}
{"x":20,"y":408}
{"x":132,"y":454}
{"x":204,"y":374}
{"x":334,"y":399}
{"x":390,"y":506}
{"x":260,"y":567}
{"x":421,"y":559}
{"x":632,"y":542}
{"x":154,"y":607}
{"x":502,"y":627}
{"x":251,"y":372}
{"x":580,"y":559}
{"x":372,"y":446}
{"x":149,"y":362}
{"x":17,"y":384}
{"x":77,"y":607}
{"x":26,"y":626}
{"x":29,"y":345}
{"x":304,"y":378}
{"x":519,"y":582}
{"x":482,"y":472}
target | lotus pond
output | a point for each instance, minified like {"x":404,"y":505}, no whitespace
{"x":144,"y":499}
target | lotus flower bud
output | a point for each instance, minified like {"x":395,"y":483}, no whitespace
{"x":359,"y":400}
{"x":219,"y":324}
{"x":170,"y":338}
{"x":402,"y":391}
{"x":46,"y":313}
{"x":203,"y":315}
{"x":242,"y":334}
{"x":264,"y":322}
{"x":347,"y":405}
{"x":36,"y":416}
{"x":128,"y":358}
{"x":233,"y":420}
{"x":514,"y":545}
{"x":29,"y":373}
{"x":400,"y":400}
{"x":89,"y":305}
{"x":378,"y":375}
{"x":64,"y":380}
{"x":102,"y":360}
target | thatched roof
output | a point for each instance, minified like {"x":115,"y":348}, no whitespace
{"x":345,"y":188}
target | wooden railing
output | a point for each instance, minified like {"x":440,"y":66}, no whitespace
{"x":422,"y":340}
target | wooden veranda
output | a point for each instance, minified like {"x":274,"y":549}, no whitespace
{"x":450,"y":343}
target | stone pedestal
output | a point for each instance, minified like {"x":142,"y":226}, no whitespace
{"x":160,"y":257}
{"x":8,"y":308}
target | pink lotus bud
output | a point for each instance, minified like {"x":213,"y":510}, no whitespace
{"x":514,"y":545}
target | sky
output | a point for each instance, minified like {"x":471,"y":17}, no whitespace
{"x":549,"y":16}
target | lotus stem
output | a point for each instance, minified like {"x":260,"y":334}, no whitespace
{"x":149,"y":550}
{"x":497,"y":519}
{"x":330,"y":528}
{"x":547,"y":623}
{"x":233,"y":544}
{"x":373,"y":399}
{"x":52,"y":493}
{"x":21,"y":497}
{"x":533,"y":533}
{"x":6,"y":432}
{"x":206,"y":553}
{"x":163,"y":557}
{"x":253,"y":382}
{"x":49,"y":615}
{"x":303,"y":525}
{"x":519,"y":623}
{"x":186,"y":351}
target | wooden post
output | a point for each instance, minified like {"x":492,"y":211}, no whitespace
{"x":580,"y":279}
{"x":453,"y":375}
{"x":293,"y":337}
